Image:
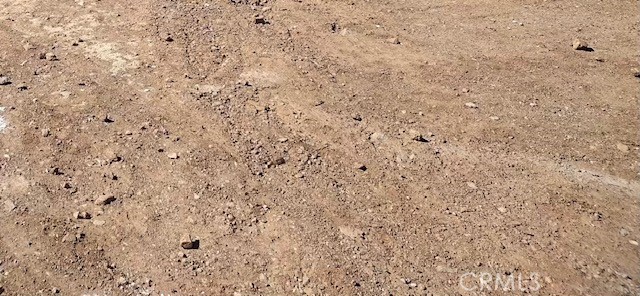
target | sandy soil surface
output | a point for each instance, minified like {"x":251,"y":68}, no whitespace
{"x":319,"y":147}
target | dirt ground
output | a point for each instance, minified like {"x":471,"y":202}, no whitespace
{"x":319,"y":147}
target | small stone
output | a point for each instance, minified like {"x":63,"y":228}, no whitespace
{"x":635,"y":243}
{"x":393,"y":40}
{"x":122,"y":281}
{"x":187,"y":243}
{"x":580,"y":45}
{"x":104,"y":199}
{"x":4,"y":80}
{"x":622,"y":147}
{"x":108,"y":119}
{"x":360,"y":166}
{"x":45,"y":132}
{"x":22,"y":87}
{"x":502,"y":209}
{"x":55,"y":290}
{"x":471,"y":105}
{"x":166,"y":37}
{"x":465,"y":90}
{"x":172,"y":155}
{"x":99,"y":222}
{"x":417,"y":136}
{"x":351,"y":232}
{"x":624,"y":232}
{"x":283,"y":140}
{"x":82,"y":215}
{"x":472,"y":185}
{"x":9,"y":206}
{"x":49,"y":56}
{"x":276,"y":162}
{"x":494,"y":118}
{"x":377,"y":138}
{"x":356,"y":117}
{"x":260,"y":20}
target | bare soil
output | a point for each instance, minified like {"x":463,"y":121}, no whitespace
{"x":319,"y":147}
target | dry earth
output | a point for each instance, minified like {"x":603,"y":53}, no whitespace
{"x":319,"y":147}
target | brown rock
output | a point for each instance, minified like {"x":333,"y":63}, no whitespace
{"x":104,"y":199}
{"x":580,"y":45}
{"x":188,"y":243}
{"x":82,"y":215}
{"x":393,"y":40}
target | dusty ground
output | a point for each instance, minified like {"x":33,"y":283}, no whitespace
{"x":319,"y":147}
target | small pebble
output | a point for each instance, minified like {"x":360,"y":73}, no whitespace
{"x":4,"y":80}
{"x":580,"y":45}
{"x":471,"y":105}
{"x":188,"y":243}
{"x":624,"y":232}
{"x":622,"y":147}
{"x":393,"y":40}
{"x":360,"y":166}
{"x":104,"y":199}
{"x":82,"y":215}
